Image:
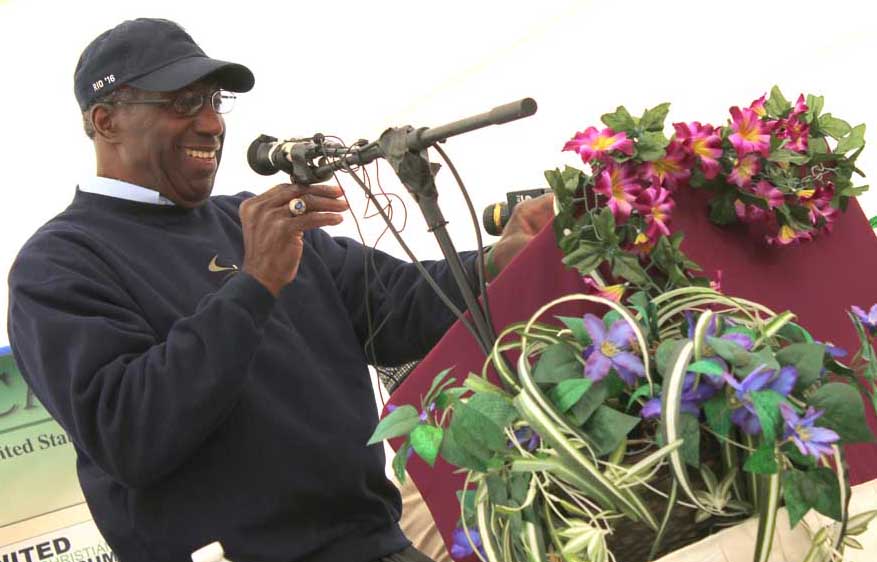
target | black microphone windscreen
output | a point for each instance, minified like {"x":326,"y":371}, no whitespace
{"x":259,"y":155}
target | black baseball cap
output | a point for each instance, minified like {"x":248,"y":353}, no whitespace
{"x":155,"y":55}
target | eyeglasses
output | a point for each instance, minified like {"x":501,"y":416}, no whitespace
{"x":189,"y":104}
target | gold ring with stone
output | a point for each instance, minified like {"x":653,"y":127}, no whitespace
{"x":297,"y":207}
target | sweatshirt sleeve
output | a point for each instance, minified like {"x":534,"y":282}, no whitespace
{"x":407,"y":315}
{"x":136,"y":404}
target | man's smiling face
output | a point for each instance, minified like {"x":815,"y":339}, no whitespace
{"x":174,"y":154}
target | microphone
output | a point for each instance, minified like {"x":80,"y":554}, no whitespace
{"x":496,"y":216}
{"x":267,"y":155}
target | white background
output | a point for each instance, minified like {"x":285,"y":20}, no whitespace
{"x":355,"y":68}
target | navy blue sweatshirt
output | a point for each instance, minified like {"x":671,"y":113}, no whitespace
{"x":201,"y":407}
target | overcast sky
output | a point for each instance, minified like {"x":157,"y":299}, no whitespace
{"x":353,"y":69}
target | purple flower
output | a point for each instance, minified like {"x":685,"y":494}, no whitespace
{"x":610,"y":350}
{"x":869,"y":320}
{"x":692,"y":396}
{"x":527,"y":438}
{"x":761,"y":378}
{"x":835,"y":352}
{"x":461,"y":547}
{"x":810,"y":440}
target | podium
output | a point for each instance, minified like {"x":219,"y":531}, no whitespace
{"x":817,"y":280}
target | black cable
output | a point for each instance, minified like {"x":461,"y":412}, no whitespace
{"x":479,"y":266}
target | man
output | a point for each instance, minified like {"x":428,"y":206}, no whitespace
{"x":205,"y":354}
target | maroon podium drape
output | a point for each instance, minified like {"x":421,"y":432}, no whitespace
{"x":818,"y":281}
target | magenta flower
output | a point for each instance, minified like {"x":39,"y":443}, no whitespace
{"x":591,"y":144}
{"x":619,"y":185}
{"x":613,"y":293}
{"x":787,"y":235}
{"x":671,"y":171}
{"x":749,"y":213}
{"x":772,"y":195}
{"x":758,"y":106}
{"x":610,"y":350}
{"x":750,"y":133}
{"x":761,"y":378}
{"x":793,"y":128}
{"x":704,"y":142}
{"x":810,"y":440}
{"x":869,"y":320}
{"x":818,"y":202}
{"x":655,"y":204}
{"x":744,"y":170}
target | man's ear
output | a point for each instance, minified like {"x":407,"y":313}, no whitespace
{"x":105,"y":122}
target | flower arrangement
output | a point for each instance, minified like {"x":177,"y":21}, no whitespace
{"x":680,"y":410}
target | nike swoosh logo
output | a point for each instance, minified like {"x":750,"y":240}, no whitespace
{"x":213,"y":266}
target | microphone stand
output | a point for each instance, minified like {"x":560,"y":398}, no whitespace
{"x":405,"y":148}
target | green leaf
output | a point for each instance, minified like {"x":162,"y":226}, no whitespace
{"x":855,"y":139}
{"x":689,"y":430}
{"x":590,"y":401}
{"x":627,"y":266}
{"x":497,"y":491}
{"x":796,"y":504}
{"x":783,"y":155}
{"x":641,"y":392}
{"x":619,"y":121}
{"x":400,"y":460}
{"x":459,"y":455}
{"x":666,"y":352}
{"x":476,"y":433}
{"x":653,"y":119}
{"x":718,"y":414}
{"x":604,"y":224}
{"x":586,"y":257}
{"x":568,"y":392}
{"x":438,"y":384}
{"x":817,"y":489}
{"x":557,"y":363}
{"x":449,"y":396}
{"x":706,"y":367}
{"x":497,"y":408}
{"x":807,"y":358}
{"x":466,"y":499}
{"x":791,"y":451}
{"x":651,"y":145}
{"x":777,"y":104}
{"x":844,"y":412}
{"x":795,"y":333}
{"x":762,"y":461}
{"x":814,"y":107}
{"x":607,"y":427}
{"x":873,"y":222}
{"x":611,"y":317}
{"x":477,"y":383}
{"x":722,"y":210}
{"x":729,"y":351}
{"x":426,"y":440}
{"x":398,"y":422}
{"x":833,"y":127}
{"x":767,"y":408}
{"x":577,"y":327}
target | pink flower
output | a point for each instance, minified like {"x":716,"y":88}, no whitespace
{"x":744,"y":170}
{"x":704,"y":142}
{"x":749,"y":213}
{"x":609,"y":292}
{"x":716,"y":284}
{"x":750,"y":133}
{"x":758,"y":106}
{"x":671,"y":171}
{"x":788,"y":235}
{"x":818,"y":202}
{"x":655,"y":204}
{"x":591,"y":144}
{"x":619,"y":185}
{"x":769,"y":193}
{"x":794,"y":129}
{"x":800,"y":107}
